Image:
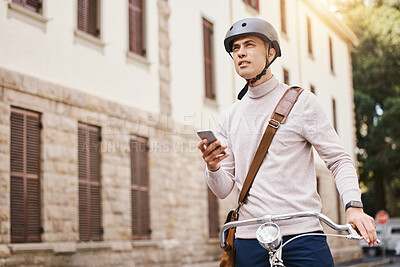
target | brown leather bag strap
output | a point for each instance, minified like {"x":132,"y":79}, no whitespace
{"x":278,"y":117}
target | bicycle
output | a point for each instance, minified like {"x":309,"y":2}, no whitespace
{"x":270,"y":238}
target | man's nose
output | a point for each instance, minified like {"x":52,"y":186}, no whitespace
{"x":242,"y":52}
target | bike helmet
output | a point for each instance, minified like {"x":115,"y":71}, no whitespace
{"x":260,"y":28}
{"x":252,"y":26}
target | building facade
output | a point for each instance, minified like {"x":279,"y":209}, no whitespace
{"x":100,"y":102}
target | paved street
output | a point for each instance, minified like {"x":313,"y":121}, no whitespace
{"x":390,"y":260}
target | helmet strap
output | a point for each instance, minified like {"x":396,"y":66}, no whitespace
{"x":258,"y":77}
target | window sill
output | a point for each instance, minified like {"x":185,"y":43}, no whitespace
{"x":87,"y":37}
{"x":93,"y":245}
{"x":311,"y":56}
{"x":144,"y":243}
{"x":137,"y":58}
{"x":285,"y":36}
{"x":27,"y":12}
{"x":252,"y":10}
{"x":24,"y":247}
{"x":212,"y":103}
{"x":213,"y":240}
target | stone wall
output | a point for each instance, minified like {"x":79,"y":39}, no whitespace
{"x":178,"y":192}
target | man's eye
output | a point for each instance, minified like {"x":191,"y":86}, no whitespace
{"x":235,"y":48}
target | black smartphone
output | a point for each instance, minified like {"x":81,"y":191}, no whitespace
{"x":210,"y":136}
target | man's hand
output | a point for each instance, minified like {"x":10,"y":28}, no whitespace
{"x":211,"y":154}
{"x":364,"y":224}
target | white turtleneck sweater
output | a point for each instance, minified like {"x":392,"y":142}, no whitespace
{"x":286,"y":181}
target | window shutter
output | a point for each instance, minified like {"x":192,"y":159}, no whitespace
{"x":140,"y":189}
{"x":90,"y":223}
{"x":25,"y":176}
{"x":253,"y":3}
{"x":88,"y":16}
{"x":286,"y":79}
{"x":208,"y":59}
{"x":331,"y":54}
{"x":283,"y":16}
{"x":136,"y":27}
{"x":213,"y":214}
{"x":309,"y":36}
{"x":34,"y":5}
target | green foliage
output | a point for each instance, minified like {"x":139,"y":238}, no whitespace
{"x":376,"y":79}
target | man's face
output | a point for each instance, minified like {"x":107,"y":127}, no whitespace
{"x":249,"y":55}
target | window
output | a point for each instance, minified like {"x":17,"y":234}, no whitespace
{"x":331,"y":54}
{"x":34,"y":5}
{"x":312,"y":89}
{"x":309,"y":36}
{"x":140,"y":188}
{"x":283,"y":16}
{"x":88,"y":17}
{"x":339,"y":203}
{"x":334,"y":114}
{"x":253,"y":3}
{"x":286,"y":76}
{"x":396,"y":231}
{"x":25,"y":176}
{"x":208,"y":38}
{"x":136,"y":27}
{"x":90,"y":225}
{"x":213,"y":214}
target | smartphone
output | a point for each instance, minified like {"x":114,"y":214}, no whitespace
{"x":209,"y":135}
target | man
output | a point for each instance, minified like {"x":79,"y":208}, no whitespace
{"x":286,"y":180}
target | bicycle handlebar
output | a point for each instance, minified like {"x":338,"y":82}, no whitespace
{"x":352,"y":233}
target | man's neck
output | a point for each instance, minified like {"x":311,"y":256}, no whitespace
{"x":263,"y":79}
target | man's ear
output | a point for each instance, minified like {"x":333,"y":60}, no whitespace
{"x":272,"y":53}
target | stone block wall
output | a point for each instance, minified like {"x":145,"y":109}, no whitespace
{"x":178,"y":192}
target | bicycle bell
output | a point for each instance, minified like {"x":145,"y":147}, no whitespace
{"x":269,"y":236}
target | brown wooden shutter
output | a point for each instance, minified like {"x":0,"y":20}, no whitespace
{"x":312,"y":89}
{"x":208,"y":38}
{"x":309,"y":36}
{"x":286,"y":79}
{"x":136,"y":27}
{"x":25,"y":176}
{"x":34,"y":5}
{"x":90,"y":222}
{"x":283,"y":16}
{"x":140,"y":189}
{"x":88,"y":17}
{"x":253,"y":3}
{"x":334,"y":114}
{"x":213,"y":215}
{"x":331,"y":54}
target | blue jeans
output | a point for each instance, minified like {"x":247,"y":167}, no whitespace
{"x":309,"y":251}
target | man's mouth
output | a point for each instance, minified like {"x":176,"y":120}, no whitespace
{"x":243,"y":63}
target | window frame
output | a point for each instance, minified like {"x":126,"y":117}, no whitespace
{"x":255,"y":4}
{"x":286,"y":76}
{"x":283,"y":16}
{"x":86,"y":182}
{"x":140,"y":189}
{"x":87,"y":19}
{"x":209,"y":59}
{"x":131,"y":31}
{"x":24,"y":3}
{"x":334,"y":115}
{"x":332,"y":66}
{"x":213,"y":214}
{"x":309,"y":37}
{"x":30,"y":196}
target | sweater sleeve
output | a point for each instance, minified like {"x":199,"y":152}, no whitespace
{"x":221,"y":182}
{"x":318,"y":130}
